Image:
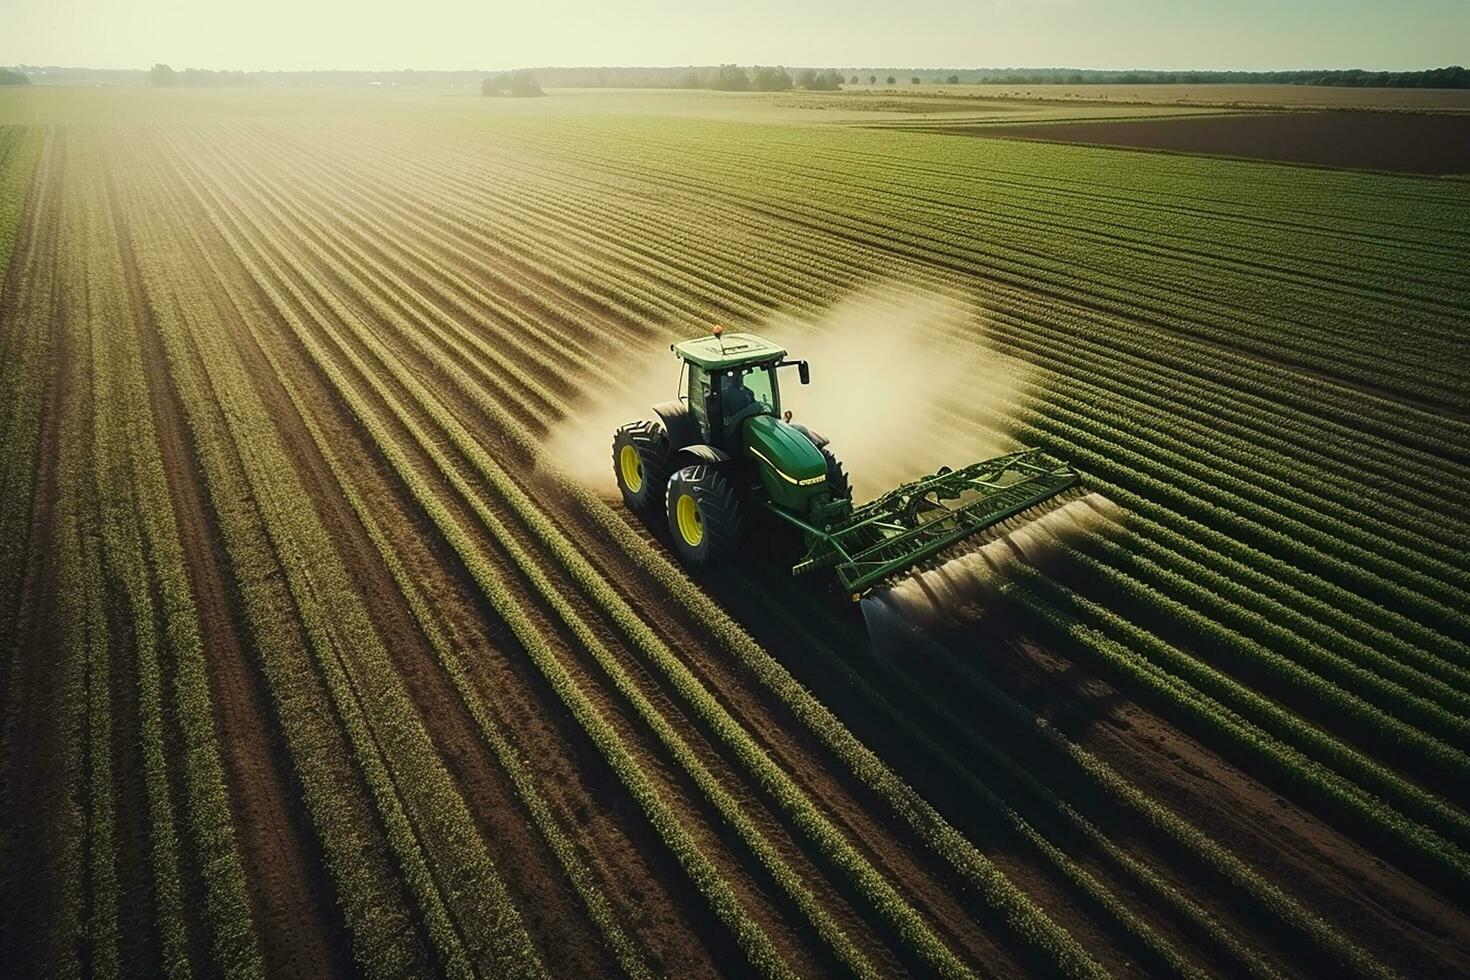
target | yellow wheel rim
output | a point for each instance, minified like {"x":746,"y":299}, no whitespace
{"x":691,"y":525}
{"x":632,"y":468}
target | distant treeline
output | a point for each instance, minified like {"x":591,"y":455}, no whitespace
{"x":1451,"y":77}
{"x":733,"y":78}
{"x":518,"y":84}
{"x":8,"y":77}
{"x":737,"y":77}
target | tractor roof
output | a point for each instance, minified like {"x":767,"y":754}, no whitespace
{"x":731,"y":351}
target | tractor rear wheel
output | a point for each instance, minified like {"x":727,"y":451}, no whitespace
{"x":704,"y":514}
{"x":641,"y":463}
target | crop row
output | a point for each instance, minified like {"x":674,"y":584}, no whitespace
{"x":708,"y":272}
{"x":953,"y":244}
{"x":143,"y":555}
{"x":465,"y":906}
{"x":879,"y":228}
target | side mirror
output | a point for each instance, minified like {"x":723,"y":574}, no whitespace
{"x":804,"y":371}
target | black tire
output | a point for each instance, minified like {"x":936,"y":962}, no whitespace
{"x":650,"y":464}
{"x":837,"y":483}
{"x":706,"y":527}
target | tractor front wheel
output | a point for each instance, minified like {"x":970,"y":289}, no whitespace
{"x":837,"y":483}
{"x":640,"y":462}
{"x":704,"y":514}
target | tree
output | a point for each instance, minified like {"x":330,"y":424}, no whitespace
{"x":161,"y":74}
{"x":730,"y":78}
{"x":872,"y":79}
{"x":519,"y":84}
{"x":692,"y":80}
{"x":8,"y":77}
{"x":953,"y":80}
{"x":914,"y":80}
{"x":853,"y":80}
{"x":891,"y":79}
{"x":770,"y":79}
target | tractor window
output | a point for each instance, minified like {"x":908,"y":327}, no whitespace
{"x":699,"y":399}
{"x":760,"y":387}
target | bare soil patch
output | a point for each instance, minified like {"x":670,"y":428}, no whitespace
{"x":1420,"y":143}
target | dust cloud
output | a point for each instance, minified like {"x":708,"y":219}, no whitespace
{"x":892,"y":375}
{"x":902,"y":384}
{"x":627,"y":387}
{"x":961,"y":587}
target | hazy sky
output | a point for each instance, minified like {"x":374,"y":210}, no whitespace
{"x":472,"y":34}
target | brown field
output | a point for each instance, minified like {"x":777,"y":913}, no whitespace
{"x":317,"y":663}
{"x":1420,"y":143}
{"x":1234,"y":96}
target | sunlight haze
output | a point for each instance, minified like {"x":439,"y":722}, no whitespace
{"x":457,"y":34}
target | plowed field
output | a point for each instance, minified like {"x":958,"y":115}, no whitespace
{"x":316,"y":662}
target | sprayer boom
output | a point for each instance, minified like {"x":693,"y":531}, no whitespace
{"x":918,"y":520}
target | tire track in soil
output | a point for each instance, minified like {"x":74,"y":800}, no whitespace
{"x":299,"y":924}
{"x":139,"y":940}
{"x":527,"y":864}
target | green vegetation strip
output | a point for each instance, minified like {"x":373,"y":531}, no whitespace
{"x":20,"y":152}
{"x":440,"y":856}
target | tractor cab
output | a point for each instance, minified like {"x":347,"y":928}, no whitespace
{"x":727,"y":380}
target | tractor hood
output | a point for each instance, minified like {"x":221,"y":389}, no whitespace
{"x":791,"y":468}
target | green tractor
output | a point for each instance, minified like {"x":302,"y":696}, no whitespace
{"x":722,"y":448}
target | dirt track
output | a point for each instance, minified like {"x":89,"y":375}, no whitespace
{"x":397,"y":322}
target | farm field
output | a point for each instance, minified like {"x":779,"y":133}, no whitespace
{"x":1418,"y":142}
{"x":318,"y":659}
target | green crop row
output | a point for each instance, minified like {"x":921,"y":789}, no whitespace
{"x":428,"y":828}
{"x":20,"y":152}
{"x":880,"y":230}
{"x":1153,"y":670}
{"x":701,"y":870}
{"x":599,"y":909}
{"x":27,"y":343}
